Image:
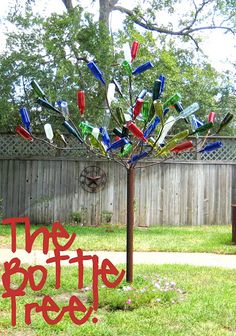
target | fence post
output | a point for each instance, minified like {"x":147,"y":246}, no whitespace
{"x":233,"y":223}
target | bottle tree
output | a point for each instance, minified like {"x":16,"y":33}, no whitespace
{"x":141,"y":128}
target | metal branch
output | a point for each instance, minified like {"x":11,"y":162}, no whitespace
{"x":88,"y":148}
{"x":120,"y":161}
{"x":54,"y":146}
{"x":156,"y":163}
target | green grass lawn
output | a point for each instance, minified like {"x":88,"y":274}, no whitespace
{"x":215,"y":239}
{"x":201,"y":303}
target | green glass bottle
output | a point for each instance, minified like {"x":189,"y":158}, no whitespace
{"x":72,"y":130}
{"x":86,"y":128}
{"x":37,"y":89}
{"x":127,"y":150}
{"x":153,"y":143}
{"x":145,"y":111}
{"x":228,"y":117}
{"x":60,"y":139}
{"x":47,"y":105}
{"x":180,"y":136}
{"x":120,"y":115}
{"x":127,"y":68}
{"x":158,"y":109}
{"x":167,"y":148}
{"x":97,"y":144}
{"x":156,"y":92}
{"x":203,"y":128}
{"x":172,"y":100}
{"x":151,"y":113}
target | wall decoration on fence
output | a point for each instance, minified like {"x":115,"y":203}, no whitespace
{"x":93,"y":179}
{"x":133,"y":133}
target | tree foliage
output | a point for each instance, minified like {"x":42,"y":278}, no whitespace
{"x":54,"y":51}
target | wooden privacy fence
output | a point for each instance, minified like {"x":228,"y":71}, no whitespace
{"x":48,"y":188}
{"x":167,"y":194}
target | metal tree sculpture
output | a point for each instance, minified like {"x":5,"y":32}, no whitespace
{"x":141,"y":131}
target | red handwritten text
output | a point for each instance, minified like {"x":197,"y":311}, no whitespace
{"x":48,"y":305}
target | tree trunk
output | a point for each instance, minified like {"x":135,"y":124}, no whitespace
{"x":105,"y":8}
{"x":104,"y":12}
{"x":68,"y":4}
{"x":130,"y":223}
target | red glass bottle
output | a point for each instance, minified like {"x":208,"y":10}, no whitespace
{"x":24,"y":133}
{"x":81,"y":101}
{"x":183,"y":146}
{"x":134,"y":50}
{"x":211,"y":117}
{"x":135,"y":131}
{"x":137,"y":108}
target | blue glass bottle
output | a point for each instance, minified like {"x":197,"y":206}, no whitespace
{"x":25,"y":118}
{"x":137,"y":157}
{"x":118,"y":144}
{"x":105,"y":136}
{"x":162,"y":79}
{"x":144,"y":67}
{"x":211,"y":147}
{"x":151,"y":128}
{"x":96,"y":72}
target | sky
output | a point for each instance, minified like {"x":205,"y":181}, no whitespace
{"x":219,"y":47}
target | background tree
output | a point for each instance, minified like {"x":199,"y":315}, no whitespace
{"x":201,"y":15}
{"x":60,"y":46}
